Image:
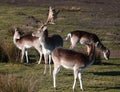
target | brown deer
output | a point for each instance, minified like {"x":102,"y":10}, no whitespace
{"x":82,"y":37}
{"x":74,"y":60}
{"x":25,"y":42}
{"x":48,"y":43}
{"x":28,"y":41}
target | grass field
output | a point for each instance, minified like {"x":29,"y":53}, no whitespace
{"x":99,"y":17}
{"x":104,"y":77}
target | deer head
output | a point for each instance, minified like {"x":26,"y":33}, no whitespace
{"x":16,"y":33}
{"x":106,"y":53}
{"x":41,"y":31}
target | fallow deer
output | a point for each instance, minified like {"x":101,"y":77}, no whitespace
{"x":82,"y":37}
{"x":74,"y":60}
{"x":29,"y":41}
{"x":48,"y":43}
{"x":25,"y":42}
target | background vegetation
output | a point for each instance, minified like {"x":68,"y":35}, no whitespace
{"x":96,"y":16}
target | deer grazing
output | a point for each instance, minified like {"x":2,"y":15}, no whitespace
{"x":48,"y":43}
{"x":82,"y":37}
{"x":25,"y":42}
{"x":74,"y":60}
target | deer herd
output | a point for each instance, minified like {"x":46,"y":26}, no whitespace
{"x":51,"y":47}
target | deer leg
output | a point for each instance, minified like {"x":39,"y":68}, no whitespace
{"x":73,"y":45}
{"x":40,"y":59}
{"x":55,"y":71}
{"x":46,"y":62}
{"x":80,"y":80}
{"x":50,"y":63}
{"x":40,"y":53}
{"x":26,"y":53}
{"x":73,"y":42}
{"x":75,"y":78}
{"x":22,"y":55}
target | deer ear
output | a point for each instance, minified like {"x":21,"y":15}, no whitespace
{"x":44,"y":28}
{"x":15,"y":28}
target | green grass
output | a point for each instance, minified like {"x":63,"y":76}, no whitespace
{"x":102,"y":78}
{"x":11,"y":15}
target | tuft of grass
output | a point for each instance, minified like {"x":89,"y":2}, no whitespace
{"x":11,"y":83}
{"x":9,"y":51}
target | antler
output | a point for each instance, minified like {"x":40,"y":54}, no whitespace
{"x":51,"y":16}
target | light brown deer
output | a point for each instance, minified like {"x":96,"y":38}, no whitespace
{"x":74,"y":60}
{"x":82,"y":37}
{"x":28,"y":41}
{"x":25,"y":42}
{"x":48,"y":43}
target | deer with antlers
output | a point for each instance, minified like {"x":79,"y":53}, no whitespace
{"x":28,"y":41}
{"x":83,"y":37}
{"x":74,"y":60}
{"x":48,"y":43}
{"x":25,"y":42}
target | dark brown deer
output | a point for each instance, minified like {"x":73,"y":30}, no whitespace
{"x":25,"y":42}
{"x":82,"y":37}
{"x":48,"y":43}
{"x":74,"y":60}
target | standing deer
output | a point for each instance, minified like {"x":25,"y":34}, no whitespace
{"x":25,"y":42}
{"x":74,"y":60}
{"x":29,"y":41}
{"x":48,"y":43}
{"x":82,"y":37}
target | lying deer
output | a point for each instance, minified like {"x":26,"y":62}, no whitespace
{"x":48,"y":43}
{"x":74,"y":60}
{"x":82,"y":37}
{"x":25,"y":42}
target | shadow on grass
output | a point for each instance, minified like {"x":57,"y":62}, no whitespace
{"x":105,"y":87}
{"x":106,"y":63}
{"x":109,"y":73}
{"x":112,"y":87}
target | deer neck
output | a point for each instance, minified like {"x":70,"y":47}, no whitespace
{"x":15,"y":39}
{"x":100,"y":46}
{"x":44,"y":39}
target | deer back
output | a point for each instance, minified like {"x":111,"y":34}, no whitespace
{"x":71,"y":58}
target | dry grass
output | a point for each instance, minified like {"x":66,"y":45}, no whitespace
{"x":9,"y":52}
{"x":11,"y":83}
